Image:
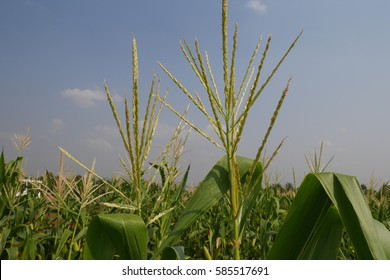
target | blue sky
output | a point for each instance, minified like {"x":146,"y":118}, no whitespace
{"x":56,"y":55}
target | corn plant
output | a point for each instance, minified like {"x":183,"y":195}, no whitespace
{"x":21,"y":234}
{"x":137,"y":135}
{"x":227,"y":115}
{"x":315,"y":162}
{"x":125,"y":236}
{"x":235,"y":212}
{"x":137,"y":140}
{"x":10,"y":186}
{"x":379,"y":203}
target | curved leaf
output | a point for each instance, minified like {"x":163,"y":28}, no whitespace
{"x":347,"y":196}
{"x":308,"y":212}
{"x":121,"y":234}
{"x":383,"y":236}
{"x":326,"y":239}
{"x":173,"y":253}
{"x":180,"y":188}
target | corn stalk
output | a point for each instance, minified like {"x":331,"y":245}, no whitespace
{"x":227,"y":114}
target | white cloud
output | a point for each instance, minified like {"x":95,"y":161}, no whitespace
{"x":85,"y":98}
{"x":327,"y":143}
{"x":56,"y":125}
{"x":257,"y":6}
{"x":98,"y":144}
{"x":106,"y":130}
{"x":344,"y":130}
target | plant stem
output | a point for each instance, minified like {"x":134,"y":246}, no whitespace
{"x":233,"y":182}
{"x":234,"y":204}
{"x":73,"y":235}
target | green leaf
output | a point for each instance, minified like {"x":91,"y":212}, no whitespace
{"x":81,"y":234}
{"x":173,"y":253}
{"x":29,"y":248}
{"x":2,"y":169}
{"x":180,"y":188}
{"x":3,"y":238}
{"x":160,"y":168}
{"x":252,"y":192}
{"x":121,"y":234}
{"x":348,"y":198}
{"x":326,"y":239}
{"x":209,"y":192}
{"x":306,"y":217}
{"x":384,"y":236}
{"x":13,"y":253}
{"x":64,"y":238}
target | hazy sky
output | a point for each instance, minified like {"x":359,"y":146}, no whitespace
{"x":55,"y":56}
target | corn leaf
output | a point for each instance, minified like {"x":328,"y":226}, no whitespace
{"x":306,"y":217}
{"x":29,"y":249}
{"x":13,"y":253}
{"x":180,"y":188}
{"x":62,"y":243}
{"x":124,"y":235}
{"x":173,"y":253}
{"x":251,"y":195}
{"x":384,"y":236}
{"x":2,"y":169}
{"x":3,"y":238}
{"x":326,"y":239}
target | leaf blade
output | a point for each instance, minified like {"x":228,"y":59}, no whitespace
{"x":369,"y":237}
{"x":124,"y":234}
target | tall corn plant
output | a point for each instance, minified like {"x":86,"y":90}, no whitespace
{"x":125,"y":235}
{"x":137,"y":139}
{"x":136,"y":134}
{"x":227,"y":115}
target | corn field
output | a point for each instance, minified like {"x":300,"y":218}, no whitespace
{"x":48,"y":217}
{"x":235,"y":212}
